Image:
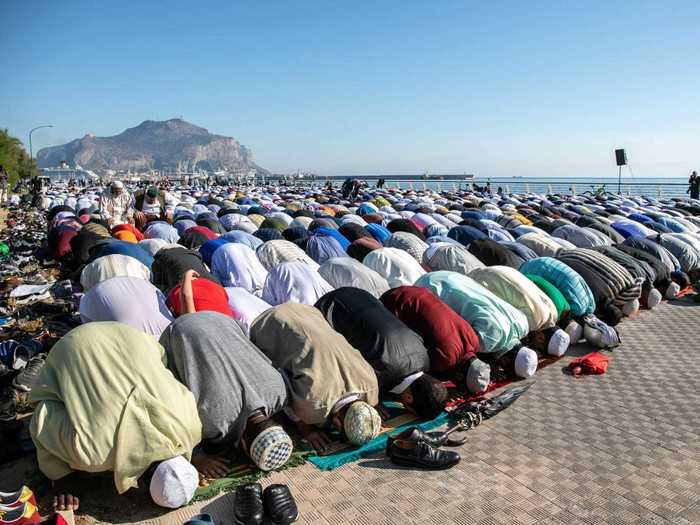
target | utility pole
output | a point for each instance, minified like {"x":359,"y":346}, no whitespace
{"x":31,"y":152}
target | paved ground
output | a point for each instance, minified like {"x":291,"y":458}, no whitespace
{"x":618,"y":448}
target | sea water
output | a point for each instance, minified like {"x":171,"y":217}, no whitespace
{"x":653,"y":187}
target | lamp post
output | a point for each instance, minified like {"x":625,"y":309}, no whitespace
{"x":31,"y":153}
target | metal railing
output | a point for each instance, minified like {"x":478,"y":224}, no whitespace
{"x":549,"y":186}
{"x":579,"y":186}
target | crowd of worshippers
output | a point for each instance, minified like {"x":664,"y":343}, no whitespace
{"x":219,"y":320}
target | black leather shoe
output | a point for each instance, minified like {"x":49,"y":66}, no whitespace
{"x":280,"y":506}
{"x":421,"y":454}
{"x":248,"y":505}
{"x":434,"y":439}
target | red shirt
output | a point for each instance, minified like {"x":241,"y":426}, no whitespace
{"x":207,"y":296}
{"x":450,"y":340}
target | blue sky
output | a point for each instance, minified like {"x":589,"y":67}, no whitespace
{"x":518,"y":88}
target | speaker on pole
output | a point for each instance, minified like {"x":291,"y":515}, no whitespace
{"x":621,"y":157}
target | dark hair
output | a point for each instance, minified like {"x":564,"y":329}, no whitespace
{"x":681,"y":279}
{"x":565,"y":319}
{"x":252,"y":430}
{"x":610,"y":314}
{"x":429,"y":396}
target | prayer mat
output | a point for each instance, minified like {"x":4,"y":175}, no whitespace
{"x":458,"y":396}
{"x":243,"y":471}
{"x":341,"y":452}
{"x":688,"y":290}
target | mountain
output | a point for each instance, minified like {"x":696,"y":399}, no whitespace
{"x":163,"y":145}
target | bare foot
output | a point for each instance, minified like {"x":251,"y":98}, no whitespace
{"x":210,"y":466}
{"x":383,"y":412}
{"x":316,"y":438}
{"x":66,"y":502}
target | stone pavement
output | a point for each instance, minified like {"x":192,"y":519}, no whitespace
{"x":618,"y":448}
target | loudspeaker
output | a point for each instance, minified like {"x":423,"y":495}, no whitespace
{"x":621,"y":157}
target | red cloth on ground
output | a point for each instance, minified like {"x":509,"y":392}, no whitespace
{"x":207,"y":296}
{"x":450,"y":340}
{"x":129,"y":228}
{"x":593,"y":363}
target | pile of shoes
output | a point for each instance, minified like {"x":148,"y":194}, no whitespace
{"x":415,"y":448}
{"x":18,"y":508}
{"x":36,"y":308}
{"x":20,"y":364}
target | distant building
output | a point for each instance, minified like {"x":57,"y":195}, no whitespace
{"x":64,"y":172}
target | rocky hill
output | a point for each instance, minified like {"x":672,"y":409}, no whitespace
{"x":163,"y":145}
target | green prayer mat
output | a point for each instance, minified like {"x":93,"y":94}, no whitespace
{"x":341,"y":452}
{"x":243,"y":471}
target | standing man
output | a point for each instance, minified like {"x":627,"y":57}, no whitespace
{"x":37,"y":190}
{"x":116,"y":205}
{"x":4,"y":180}
{"x":694,"y":185}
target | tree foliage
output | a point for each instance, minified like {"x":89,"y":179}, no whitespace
{"x":15,"y":159}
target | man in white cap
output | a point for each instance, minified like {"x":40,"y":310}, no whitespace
{"x":328,"y":381}
{"x":106,"y":402}
{"x":117,"y":205}
{"x":498,"y":325}
{"x":238,"y":391}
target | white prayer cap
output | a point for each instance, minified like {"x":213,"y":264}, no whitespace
{"x":174,"y":482}
{"x":630,"y":307}
{"x":575,"y":331}
{"x":478,"y":376}
{"x":117,"y":184}
{"x":558,"y":343}
{"x":525,"y":362}
{"x":271,"y":448}
{"x":672,"y":290}
{"x":361,"y":423}
{"x":654,"y":298}
{"x":599,"y":334}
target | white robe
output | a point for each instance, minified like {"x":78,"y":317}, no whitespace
{"x":396,"y":266}
{"x":245,"y":306}
{"x":236,"y":264}
{"x":115,"y":265}
{"x":127,"y":300}
{"x":453,"y":258}
{"x":294,"y":282}
{"x":517,"y":290}
{"x":346,"y":271}
{"x":278,"y":251}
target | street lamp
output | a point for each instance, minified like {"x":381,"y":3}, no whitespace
{"x":31,"y":154}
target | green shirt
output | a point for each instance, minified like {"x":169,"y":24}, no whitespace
{"x":560,"y":302}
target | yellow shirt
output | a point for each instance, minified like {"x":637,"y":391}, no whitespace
{"x":106,"y":401}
